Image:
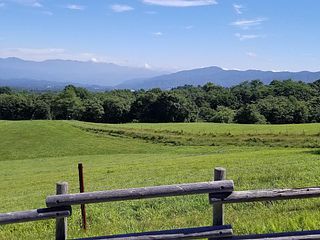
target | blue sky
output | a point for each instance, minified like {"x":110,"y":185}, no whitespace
{"x":166,"y":34}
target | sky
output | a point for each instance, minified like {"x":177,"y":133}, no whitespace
{"x":165,"y":34}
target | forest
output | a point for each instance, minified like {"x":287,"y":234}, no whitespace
{"x":280,"y":102}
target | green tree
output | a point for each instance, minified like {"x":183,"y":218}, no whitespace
{"x":15,"y":107}
{"x":223,"y":115}
{"x":170,"y":107}
{"x":280,"y":110}
{"x":41,"y":110}
{"x":249,"y":114}
{"x":93,"y":110}
{"x":116,"y":110}
{"x":314,"y":109}
{"x":5,"y":90}
{"x":67,"y":105}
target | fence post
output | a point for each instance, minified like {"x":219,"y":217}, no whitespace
{"x":61,"y":223}
{"x":218,"y":208}
{"x":83,"y":207}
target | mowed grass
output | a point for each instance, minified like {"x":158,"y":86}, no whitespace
{"x":34,"y":155}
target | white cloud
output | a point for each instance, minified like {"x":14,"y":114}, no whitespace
{"x":147,"y":66}
{"x":121,"y":8}
{"x":180,"y":3}
{"x":158,"y":34}
{"x":75,"y":7}
{"x":246,"y":24}
{"x":36,"y":4}
{"x":243,"y":37}
{"x":189,"y":27}
{"x":238,"y":8}
{"x":251,"y":54}
{"x":29,"y":3}
{"x":95,"y":60}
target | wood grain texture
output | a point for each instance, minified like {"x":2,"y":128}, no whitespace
{"x":218,"y":208}
{"x":140,"y":193}
{"x":315,"y":234}
{"x":265,"y":195}
{"x":187,"y":233}
{"x":61,"y":223}
{"x":34,"y":215}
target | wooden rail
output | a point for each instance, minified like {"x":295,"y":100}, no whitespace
{"x":265,"y":195}
{"x":140,"y":193}
{"x":35,"y":215}
{"x":282,"y":236}
{"x":186,"y":233}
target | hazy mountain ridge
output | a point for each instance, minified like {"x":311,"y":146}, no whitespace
{"x":55,"y":74}
{"x":89,"y":73}
{"x":216,"y":75}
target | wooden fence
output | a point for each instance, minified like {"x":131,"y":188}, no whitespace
{"x":220,"y":191}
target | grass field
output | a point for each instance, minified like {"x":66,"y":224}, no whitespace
{"x":34,"y":155}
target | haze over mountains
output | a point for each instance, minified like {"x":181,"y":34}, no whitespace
{"x":218,"y":76}
{"x":55,"y":74}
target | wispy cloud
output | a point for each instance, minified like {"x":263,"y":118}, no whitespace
{"x":243,"y":37}
{"x":189,"y":27}
{"x":75,"y":7}
{"x":29,"y":3}
{"x":238,"y":8}
{"x":251,"y":54}
{"x":180,"y":3}
{"x":158,"y":34}
{"x":248,"y":23}
{"x":121,"y":8}
{"x":47,"y":13}
{"x":150,"y":12}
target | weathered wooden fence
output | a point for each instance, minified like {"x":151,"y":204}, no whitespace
{"x":220,"y":191}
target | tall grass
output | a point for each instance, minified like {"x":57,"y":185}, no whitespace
{"x":34,"y":155}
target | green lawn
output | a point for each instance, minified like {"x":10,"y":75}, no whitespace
{"x":34,"y":155}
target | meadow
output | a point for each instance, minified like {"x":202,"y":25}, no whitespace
{"x":34,"y":155}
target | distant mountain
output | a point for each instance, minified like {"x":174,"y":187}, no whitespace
{"x":38,"y":85}
{"x":55,"y":74}
{"x":217,"y":76}
{"x":66,"y":71}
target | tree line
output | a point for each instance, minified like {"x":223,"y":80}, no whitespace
{"x":249,"y":102}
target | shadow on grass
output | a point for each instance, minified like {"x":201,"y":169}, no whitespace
{"x":316,"y":152}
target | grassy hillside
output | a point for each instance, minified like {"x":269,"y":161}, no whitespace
{"x":36,"y":154}
{"x":213,"y":134}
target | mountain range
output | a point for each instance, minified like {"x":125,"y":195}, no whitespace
{"x":55,"y":74}
{"x":67,"y":71}
{"x":218,"y":76}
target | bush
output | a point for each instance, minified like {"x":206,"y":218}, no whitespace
{"x":249,"y":115}
{"x":223,"y":115}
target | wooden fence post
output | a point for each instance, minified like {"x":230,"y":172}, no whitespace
{"x":83,"y":207}
{"x":61,"y":223}
{"x":218,"y":209}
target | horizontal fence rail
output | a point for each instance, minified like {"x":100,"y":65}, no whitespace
{"x":282,"y":236}
{"x":34,"y":215}
{"x":265,"y":195}
{"x":226,"y":186}
{"x":186,"y":233}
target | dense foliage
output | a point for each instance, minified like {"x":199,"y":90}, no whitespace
{"x":249,"y":102}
